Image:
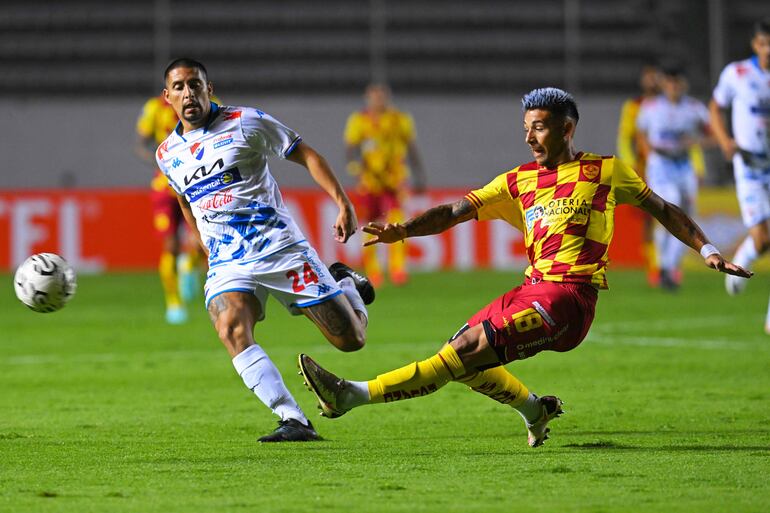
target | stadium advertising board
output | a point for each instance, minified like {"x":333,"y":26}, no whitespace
{"x":111,"y":229}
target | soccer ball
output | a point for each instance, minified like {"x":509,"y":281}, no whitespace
{"x":44,"y":282}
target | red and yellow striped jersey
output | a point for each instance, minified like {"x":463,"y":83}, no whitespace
{"x":384,"y":142}
{"x":566,"y":214}
{"x":157,"y":120}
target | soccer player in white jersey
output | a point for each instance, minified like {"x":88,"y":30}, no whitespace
{"x":744,"y":87}
{"x":216,"y":161}
{"x":669,"y":125}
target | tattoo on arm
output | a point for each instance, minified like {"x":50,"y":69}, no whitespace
{"x":676,"y":221}
{"x":440,"y":218}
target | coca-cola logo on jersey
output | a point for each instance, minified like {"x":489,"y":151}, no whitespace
{"x":218,"y":200}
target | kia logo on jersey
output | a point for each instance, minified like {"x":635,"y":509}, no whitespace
{"x":202,"y":172}
{"x":197,"y":150}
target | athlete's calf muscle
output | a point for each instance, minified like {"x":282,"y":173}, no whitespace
{"x":338,"y":322}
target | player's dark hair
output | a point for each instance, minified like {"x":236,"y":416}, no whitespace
{"x":673,"y":70}
{"x":762,"y":27}
{"x":559,"y":103}
{"x":185,"y":62}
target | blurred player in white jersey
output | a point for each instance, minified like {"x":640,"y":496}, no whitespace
{"x":216,"y":161}
{"x":744,"y":87}
{"x":669,"y":125}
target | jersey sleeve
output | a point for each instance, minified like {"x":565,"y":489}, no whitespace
{"x":724,"y":92}
{"x":267,"y":135}
{"x":353,"y":133}
{"x":407,"y":127}
{"x":494,"y":192}
{"x":643,"y":118}
{"x":162,"y":167}
{"x":145,"y":125}
{"x":628,"y":185}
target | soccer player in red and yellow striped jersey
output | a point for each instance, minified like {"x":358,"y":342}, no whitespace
{"x":381,"y":152}
{"x":564,"y":202}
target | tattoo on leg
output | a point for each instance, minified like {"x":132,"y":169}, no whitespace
{"x":218,"y":305}
{"x":330,"y":317}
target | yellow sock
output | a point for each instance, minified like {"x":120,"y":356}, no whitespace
{"x":498,"y":384}
{"x":651,"y":256}
{"x":169,"y":279}
{"x":417,"y":378}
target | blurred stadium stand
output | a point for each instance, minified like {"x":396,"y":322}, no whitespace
{"x":116,"y":48}
{"x":76,"y":72}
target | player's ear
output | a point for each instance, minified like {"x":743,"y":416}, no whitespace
{"x":210,"y":88}
{"x":165,"y":95}
{"x":569,"y":127}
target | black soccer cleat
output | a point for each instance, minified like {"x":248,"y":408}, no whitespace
{"x":292,"y":430}
{"x":364,"y":287}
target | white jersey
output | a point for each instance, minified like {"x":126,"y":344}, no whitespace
{"x":221,"y":169}
{"x":671,"y":129}
{"x":745,"y":87}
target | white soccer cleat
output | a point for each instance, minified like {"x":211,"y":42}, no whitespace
{"x":537,"y":432}
{"x":735,"y":285}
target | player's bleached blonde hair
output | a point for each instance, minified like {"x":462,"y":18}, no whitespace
{"x":555,"y":100}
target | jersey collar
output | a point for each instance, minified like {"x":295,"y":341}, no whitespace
{"x":755,"y":62}
{"x":212,"y":116}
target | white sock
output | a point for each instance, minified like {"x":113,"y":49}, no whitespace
{"x":261,"y":376}
{"x":674,"y":253}
{"x":348,"y":287}
{"x":746,"y":253}
{"x":531,"y":410}
{"x":354,"y":394}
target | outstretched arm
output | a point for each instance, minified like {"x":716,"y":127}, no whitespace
{"x":684,"y":228}
{"x":323,"y":175}
{"x":435,"y":220}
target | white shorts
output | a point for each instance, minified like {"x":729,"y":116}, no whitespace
{"x":295,"y":276}
{"x":752,"y":185}
{"x":675,"y":182}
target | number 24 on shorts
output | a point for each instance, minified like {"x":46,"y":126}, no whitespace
{"x":308,"y":277}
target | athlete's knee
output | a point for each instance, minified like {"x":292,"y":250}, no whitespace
{"x":468,"y":342}
{"x":352,"y":340}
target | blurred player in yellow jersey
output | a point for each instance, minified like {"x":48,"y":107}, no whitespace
{"x":156,"y":121}
{"x":380,"y":147}
{"x":630,"y":152}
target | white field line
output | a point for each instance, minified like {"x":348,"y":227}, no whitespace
{"x":756,"y":345}
{"x":664,"y":324}
{"x":624,"y":340}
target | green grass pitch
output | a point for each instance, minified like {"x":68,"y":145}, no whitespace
{"x":103,"y":407}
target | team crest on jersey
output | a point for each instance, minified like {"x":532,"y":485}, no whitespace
{"x":591,"y":171}
{"x":197,"y":150}
{"x":163,"y":148}
{"x":223,"y":140}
